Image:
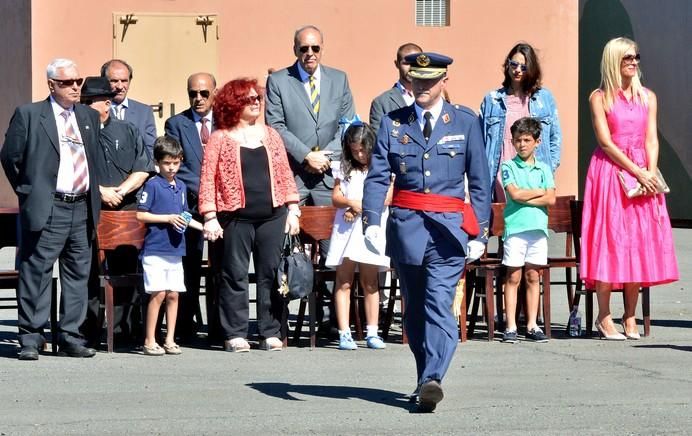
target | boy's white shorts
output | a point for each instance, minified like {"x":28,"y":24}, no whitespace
{"x":163,"y":273}
{"x":526,"y":247}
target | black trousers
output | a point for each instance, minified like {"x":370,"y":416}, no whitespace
{"x":65,"y":238}
{"x":263,"y":240}
{"x":128,"y":316}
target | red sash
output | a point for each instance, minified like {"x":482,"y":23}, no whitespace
{"x":438,"y":203}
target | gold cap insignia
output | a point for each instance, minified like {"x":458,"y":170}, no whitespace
{"x":423,"y":60}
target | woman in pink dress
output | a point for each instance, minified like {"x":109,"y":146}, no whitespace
{"x":626,"y":242}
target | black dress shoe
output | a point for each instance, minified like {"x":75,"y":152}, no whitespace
{"x":74,"y":350}
{"x":28,"y":352}
{"x":413,"y":396}
{"x":430,"y":394}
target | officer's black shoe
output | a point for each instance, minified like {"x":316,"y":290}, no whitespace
{"x":74,"y":350}
{"x":28,"y":352}
{"x":413,"y":396}
{"x":430,"y":394}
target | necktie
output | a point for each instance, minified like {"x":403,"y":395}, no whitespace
{"x":427,"y":129}
{"x":204,"y":131}
{"x":80,"y":183}
{"x":314,"y":96}
{"x":119,"y":112}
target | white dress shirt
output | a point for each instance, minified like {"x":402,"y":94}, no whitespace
{"x":66,"y":165}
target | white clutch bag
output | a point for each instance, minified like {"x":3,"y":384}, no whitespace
{"x":633,"y":188}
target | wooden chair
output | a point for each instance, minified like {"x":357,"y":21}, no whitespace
{"x":576,"y":208}
{"x":9,"y":279}
{"x":490,"y":270}
{"x":316,"y":224}
{"x":117,"y":229}
{"x":560,"y":221}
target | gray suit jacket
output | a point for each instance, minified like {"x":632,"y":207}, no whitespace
{"x":141,"y":116}
{"x":288,"y":110}
{"x":383,"y":104}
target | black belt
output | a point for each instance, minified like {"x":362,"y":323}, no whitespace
{"x":70,"y":198}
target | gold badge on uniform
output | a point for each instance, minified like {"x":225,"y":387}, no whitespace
{"x":423,"y":60}
{"x":396,"y":123}
{"x":404,"y":139}
{"x":445,"y":118}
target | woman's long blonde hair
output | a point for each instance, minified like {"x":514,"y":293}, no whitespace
{"x":611,"y":77}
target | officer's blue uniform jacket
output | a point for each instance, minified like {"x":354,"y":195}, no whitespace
{"x":455,"y":149}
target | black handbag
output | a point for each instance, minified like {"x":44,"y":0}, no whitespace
{"x":295,"y":273}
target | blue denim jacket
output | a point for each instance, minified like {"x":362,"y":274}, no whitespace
{"x":492,"y":117}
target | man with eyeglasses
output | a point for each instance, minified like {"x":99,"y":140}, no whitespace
{"x":401,"y":94}
{"x":431,"y":147}
{"x":119,"y":74}
{"x":124,"y":166}
{"x":304,"y":103}
{"x":192,"y":128}
{"x":48,"y":156}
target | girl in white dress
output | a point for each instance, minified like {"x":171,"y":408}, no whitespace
{"x":347,"y":250}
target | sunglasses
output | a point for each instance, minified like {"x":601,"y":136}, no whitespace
{"x":253,"y":99}
{"x":204,"y":93}
{"x":631,"y":58}
{"x":513,"y":65}
{"x":305,"y":48}
{"x":68,"y":82}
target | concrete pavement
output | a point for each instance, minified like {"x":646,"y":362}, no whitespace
{"x":567,"y":386}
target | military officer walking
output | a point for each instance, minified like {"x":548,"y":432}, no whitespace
{"x":430,"y":147}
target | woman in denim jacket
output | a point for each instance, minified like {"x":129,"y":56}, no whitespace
{"x":521,"y":96}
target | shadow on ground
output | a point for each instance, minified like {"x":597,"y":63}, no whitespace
{"x":668,"y":346}
{"x":285,"y":391}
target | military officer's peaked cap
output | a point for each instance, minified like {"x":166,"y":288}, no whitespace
{"x":428,"y":65}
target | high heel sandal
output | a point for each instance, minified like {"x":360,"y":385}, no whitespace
{"x":606,"y":336}
{"x":634,"y":336}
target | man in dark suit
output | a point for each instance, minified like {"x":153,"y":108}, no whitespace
{"x":431,"y":147}
{"x":192,"y":129}
{"x":304,"y":103}
{"x":48,"y":156}
{"x":119,"y":74}
{"x":401,"y":94}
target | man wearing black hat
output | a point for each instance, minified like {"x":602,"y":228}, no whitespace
{"x":431,"y":147}
{"x":124,"y":166}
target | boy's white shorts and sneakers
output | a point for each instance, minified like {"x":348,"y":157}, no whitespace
{"x":530,"y":247}
{"x":526,"y":247}
{"x":163,"y":273}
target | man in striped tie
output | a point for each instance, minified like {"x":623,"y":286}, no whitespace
{"x":48,"y":156}
{"x":304,"y":103}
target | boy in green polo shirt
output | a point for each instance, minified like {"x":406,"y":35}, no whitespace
{"x":529,"y":188}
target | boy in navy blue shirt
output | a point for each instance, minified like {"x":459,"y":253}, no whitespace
{"x":161,"y":205}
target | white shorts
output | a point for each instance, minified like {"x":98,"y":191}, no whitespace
{"x":163,"y":273}
{"x":526,"y":247}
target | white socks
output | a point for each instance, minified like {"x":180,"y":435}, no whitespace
{"x":371,"y":331}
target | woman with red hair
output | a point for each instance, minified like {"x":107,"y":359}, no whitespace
{"x":248,"y":197}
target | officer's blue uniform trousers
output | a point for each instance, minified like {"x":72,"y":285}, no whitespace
{"x":428,"y":291}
